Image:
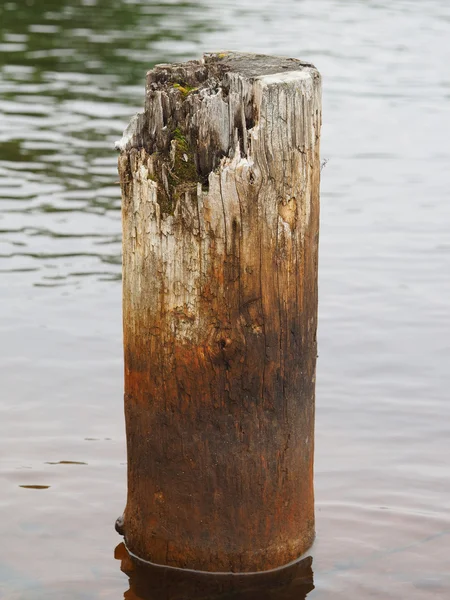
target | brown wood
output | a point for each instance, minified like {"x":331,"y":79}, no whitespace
{"x":220,"y":186}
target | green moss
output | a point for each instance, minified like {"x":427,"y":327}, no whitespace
{"x":177,"y":135}
{"x":184,"y":88}
{"x":181,"y":171}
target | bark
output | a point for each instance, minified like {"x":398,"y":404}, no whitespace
{"x":220,"y":186}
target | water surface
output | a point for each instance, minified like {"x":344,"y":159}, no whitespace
{"x":71,"y":74}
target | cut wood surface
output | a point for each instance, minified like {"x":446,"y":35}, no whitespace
{"x":220,"y":185}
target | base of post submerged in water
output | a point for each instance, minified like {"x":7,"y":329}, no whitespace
{"x":220,"y":186}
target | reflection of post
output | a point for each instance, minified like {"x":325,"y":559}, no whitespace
{"x":154,"y":582}
{"x":220,"y":184}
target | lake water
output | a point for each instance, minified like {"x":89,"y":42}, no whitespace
{"x":71,"y":74}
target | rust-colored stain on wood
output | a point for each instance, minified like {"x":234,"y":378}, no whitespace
{"x":220,"y":313}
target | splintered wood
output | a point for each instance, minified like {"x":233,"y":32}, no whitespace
{"x":220,"y":185}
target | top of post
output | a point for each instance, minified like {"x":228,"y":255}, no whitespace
{"x":254,"y":65}
{"x":210,"y":106}
{"x":216,"y":65}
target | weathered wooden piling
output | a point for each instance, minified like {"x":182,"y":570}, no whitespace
{"x":220,"y":186}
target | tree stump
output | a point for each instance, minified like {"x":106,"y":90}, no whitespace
{"x":220,"y":185}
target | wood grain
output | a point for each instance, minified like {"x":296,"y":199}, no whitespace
{"x":220,"y":185}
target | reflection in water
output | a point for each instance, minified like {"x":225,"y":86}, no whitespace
{"x":152,"y":582}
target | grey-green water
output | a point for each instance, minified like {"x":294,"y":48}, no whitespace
{"x":71,"y":74}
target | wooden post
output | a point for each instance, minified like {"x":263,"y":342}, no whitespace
{"x":220,"y":185}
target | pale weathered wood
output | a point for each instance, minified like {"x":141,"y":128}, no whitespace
{"x":220,"y":185}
